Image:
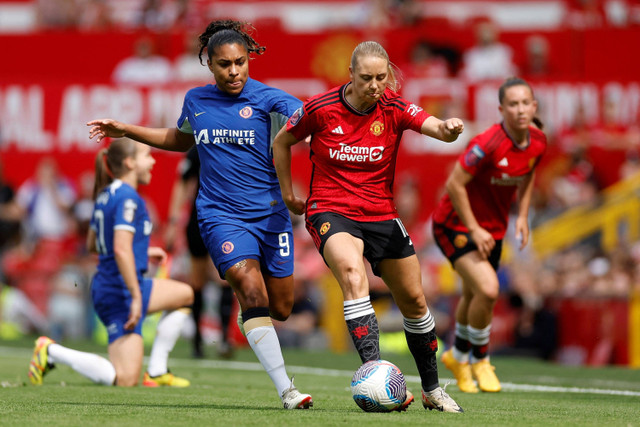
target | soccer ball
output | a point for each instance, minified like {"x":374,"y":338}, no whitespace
{"x":378,"y":386}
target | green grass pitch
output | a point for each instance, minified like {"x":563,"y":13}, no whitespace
{"x":239,"y":393}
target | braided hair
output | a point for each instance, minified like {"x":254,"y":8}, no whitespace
{"x":227,"y":31}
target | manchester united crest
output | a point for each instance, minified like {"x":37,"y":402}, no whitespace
{"x":377,"y":128}
{"x":460,"y":241}
{"x":324,"y":228}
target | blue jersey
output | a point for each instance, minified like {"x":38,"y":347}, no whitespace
{"x":119,"y":207}
{"x":234,"y":135}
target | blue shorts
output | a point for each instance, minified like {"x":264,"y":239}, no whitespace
{"x":112,"y":303}
{"x":268,"y":239}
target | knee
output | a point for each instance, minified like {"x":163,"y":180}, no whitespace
{"x":126,"y":380}
{"x":188,"y":296}
{"x":413,"y":307}
{"x":489,"y":294}
{"x":354,"y":282}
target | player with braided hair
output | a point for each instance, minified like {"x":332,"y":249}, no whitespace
{"x":243,"y":221}
{"x":226,"y":24}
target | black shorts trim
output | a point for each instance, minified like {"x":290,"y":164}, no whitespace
{"x":454,"y":244}
{"x":382,"y":239}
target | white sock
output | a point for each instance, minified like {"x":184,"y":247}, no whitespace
{"x":265,"y":344}
{"x":419,"y":326}
{"x":96,"y":368}
{"x":357,"y":308}
{"x":167,"y":333}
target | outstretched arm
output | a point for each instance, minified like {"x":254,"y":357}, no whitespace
{"x":282,"y":160}
{"x":164,"y":138}
{"x":444,"y":130}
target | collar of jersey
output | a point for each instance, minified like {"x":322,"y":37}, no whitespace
{"x":350,"y":107}
{"x":513,"y":141}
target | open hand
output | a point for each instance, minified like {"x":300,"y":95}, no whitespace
{"x":105,"y":127}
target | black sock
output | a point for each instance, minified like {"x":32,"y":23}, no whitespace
{"x":366,"y":337}
{"x":196,"y":312}
{"x":462,"y":344}
{"x":479,"y":351}
{"x":225,"y":309}
{"x":423,"y":347}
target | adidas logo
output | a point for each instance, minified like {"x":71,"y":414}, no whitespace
{"x":338,"y":130}
{"x":504,"y":163}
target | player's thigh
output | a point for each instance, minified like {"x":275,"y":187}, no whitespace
{"x":126,"y":355}
{"x":478,"y":275}
{"x":169,"y":294}
{"x":404,"y":279}
{"x":343,"y":253}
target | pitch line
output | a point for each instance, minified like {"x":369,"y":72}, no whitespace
{"x":253,"y":366}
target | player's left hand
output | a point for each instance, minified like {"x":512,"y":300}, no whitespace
{"x":157,"y":254}
{"x":522,"y":232}
{"x":135,"y":313}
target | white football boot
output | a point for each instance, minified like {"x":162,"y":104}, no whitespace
{"x":439,"y":399}
{"x":293,"y":399}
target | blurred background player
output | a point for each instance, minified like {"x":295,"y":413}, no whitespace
{"x":122,"y":297}
{"x":471,"y":220}
{"x":185,"y":189}
{"x":243,"y":221}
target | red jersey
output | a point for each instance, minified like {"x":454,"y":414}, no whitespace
{"x":353,"y":152}
{"x":498,"y":165}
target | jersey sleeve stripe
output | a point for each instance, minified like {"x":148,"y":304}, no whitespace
{"x":386,"y":98}
{"x":318,"y":106}
{"x":329,"y":94}
{"x":393,"y":104}
{"x":125,"y":228}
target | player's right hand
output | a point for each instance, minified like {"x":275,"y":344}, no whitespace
{"x":484,"y":241}
{"x":106,"y":127}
